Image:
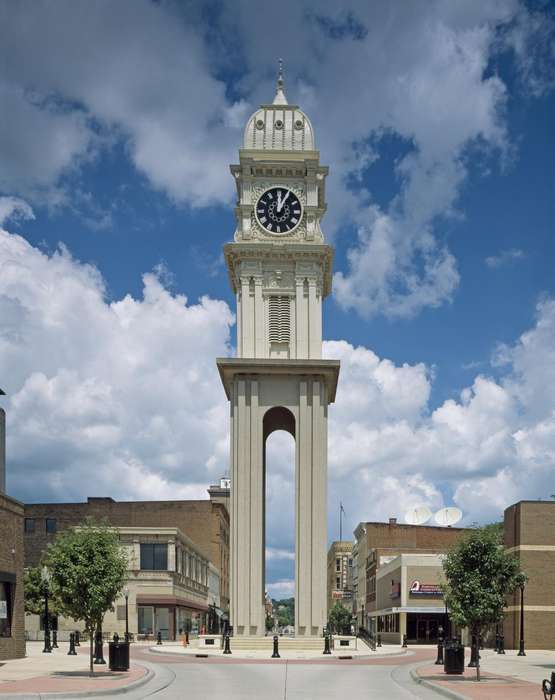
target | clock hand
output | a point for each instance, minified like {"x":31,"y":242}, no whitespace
{"x":282,"y":201}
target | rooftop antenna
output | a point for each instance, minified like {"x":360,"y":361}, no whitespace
{"x":341,"y":513}
{"x":418,"y":515}
{"x":447,"y":517}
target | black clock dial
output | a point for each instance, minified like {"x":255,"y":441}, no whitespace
{"x":278,"y":210}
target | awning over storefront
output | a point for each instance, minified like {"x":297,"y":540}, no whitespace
{"x":408,"y":609}
{"x":170,"y":600}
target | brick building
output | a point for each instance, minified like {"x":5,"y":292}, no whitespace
{"x":340,"y":574}
{"x":529,"y":532}
{"x":378,"y":544}
{"x":206,"y":523}
{"x":12,"y":614}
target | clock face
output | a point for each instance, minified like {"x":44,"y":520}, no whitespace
{"x":278,"y":210}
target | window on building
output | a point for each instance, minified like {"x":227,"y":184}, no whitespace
{"x":338,"y":582}
{"x":145,"y":619}
{"x":5,"y":609}
{"x":338,"y":564}
{"x":51,"y":526}
{"x":154,"y":557}
{"x":350,"y":562}
{"x":29,"y":524}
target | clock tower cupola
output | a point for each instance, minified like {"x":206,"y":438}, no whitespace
{"x":279,"y":266}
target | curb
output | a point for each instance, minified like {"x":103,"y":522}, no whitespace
{"x":362,"y":657}
{"x":439,"y":689}
{"x":71,"y":695}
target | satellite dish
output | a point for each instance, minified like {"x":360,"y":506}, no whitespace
{"x":446,"y":517}
{"x":418,"y":515}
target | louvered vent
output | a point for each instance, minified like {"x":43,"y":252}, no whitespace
{"x":279,"y":319}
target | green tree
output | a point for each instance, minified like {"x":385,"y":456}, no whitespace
{"x":479,"y":574}
{"x":33,"y":586}
{"x":88,"y":571}
{"x":269,"y":623}
{"x":339,"y":617}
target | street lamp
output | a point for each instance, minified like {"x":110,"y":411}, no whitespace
{"x":45,"y":575}
{"x":126,"y":594}
{"x":521,"y":651}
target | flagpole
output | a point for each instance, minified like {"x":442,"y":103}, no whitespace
{"x":340,"y":521}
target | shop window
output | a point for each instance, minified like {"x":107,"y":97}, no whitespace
{"x":154,"y":557}
{"x":29,"y":525}
{"x":145,"y":619}
{"x":51,"y":526}
{"x":5,"y":609}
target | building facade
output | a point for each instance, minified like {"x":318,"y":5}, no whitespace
{"x":359,"y":576}
{"x":529,"y":533}
{"x":168,"y":586}
{"x":386,"y":541}
{"x":409,"y":600}
{"x":205,"y":523}
{"x":12,"y":615}
{"x":340,"y":574}
{"x":280,"y":271}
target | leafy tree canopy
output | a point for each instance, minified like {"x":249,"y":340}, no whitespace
{"x":88,"y":571}
{"x":339,"y":616}
{"x":34,"y":594}
{"x":479,"y":574}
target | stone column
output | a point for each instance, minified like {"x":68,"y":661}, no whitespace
{"x":311,"y":500}
{"x":247,"y":511}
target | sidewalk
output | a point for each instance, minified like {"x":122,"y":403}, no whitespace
{"x":507,"y":677}
{"x":60,"y":673}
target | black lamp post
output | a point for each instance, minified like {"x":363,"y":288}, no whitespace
{"x":126,"y":594}
{"x":46,"y":581}
{"x":521,"y":651}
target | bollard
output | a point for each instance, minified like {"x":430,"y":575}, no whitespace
{"x":187,"y":639}
{"x":501,"y":643}
{"x":379,"y":640}
{"x":227,"y":650}
{"x":72,"y":651}
{"x":77,"y":640}
{"x":159,"y":639}
{"x":55,"y":639}
{"x":439,"y":660}
{"x":276,"y":655}
{"x":327,"y":649}
{"x":404,"y":645}
{"x":98,"y":648}
{"x":473,"y":652}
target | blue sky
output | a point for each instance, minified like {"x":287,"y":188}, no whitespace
{"x":436,"y":121}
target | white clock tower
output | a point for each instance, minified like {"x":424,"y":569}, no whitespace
{"x":280,"y":271}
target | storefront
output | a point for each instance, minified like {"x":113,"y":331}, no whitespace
{"x":169,"y":618}
{"x":409,"y":600}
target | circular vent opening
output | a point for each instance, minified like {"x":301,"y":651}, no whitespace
{"x":278,"y":124}
{"x":259,"y":124}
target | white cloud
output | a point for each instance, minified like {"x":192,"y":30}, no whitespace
{"x":284,"y":588}
{"x":75,"y":83}
{"x":505,"y":257}
{"x":15,"y":209}
{"x":122,"y":396}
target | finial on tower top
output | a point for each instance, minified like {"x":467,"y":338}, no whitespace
{"x":280,"y":98}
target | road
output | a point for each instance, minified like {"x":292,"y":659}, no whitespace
{"x":283,"y":681}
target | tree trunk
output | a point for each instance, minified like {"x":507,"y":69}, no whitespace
{"x":91,"y":639}
{"x":477,"y":638}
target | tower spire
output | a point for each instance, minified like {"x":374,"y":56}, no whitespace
{"x":280,"y":98}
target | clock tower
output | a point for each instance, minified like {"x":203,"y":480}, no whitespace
{"x":280,"y":270}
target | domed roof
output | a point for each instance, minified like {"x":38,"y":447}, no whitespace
{"x":279,"y":126}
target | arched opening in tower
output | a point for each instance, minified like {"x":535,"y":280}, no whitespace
{"x":279,"y":515}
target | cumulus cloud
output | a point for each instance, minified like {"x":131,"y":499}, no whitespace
{"x":75,"y":83}
{"x":112,"y":393}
